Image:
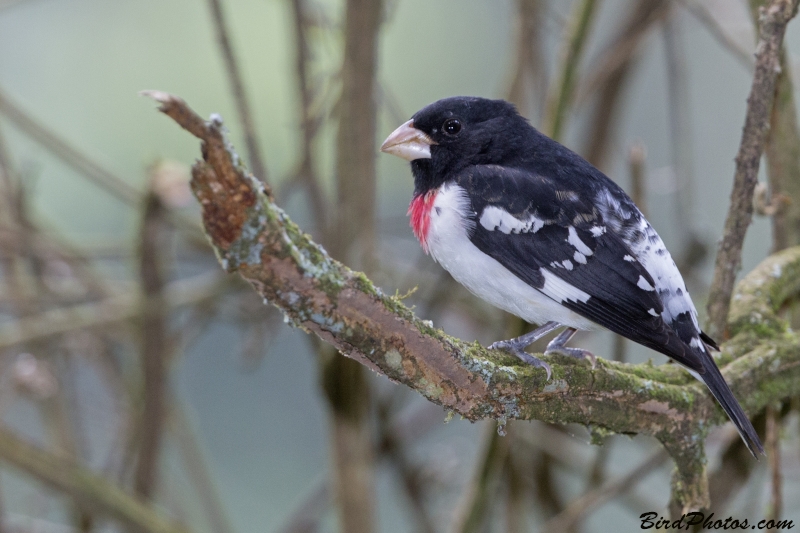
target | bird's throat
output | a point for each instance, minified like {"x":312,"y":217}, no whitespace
{"x":420,"y":213}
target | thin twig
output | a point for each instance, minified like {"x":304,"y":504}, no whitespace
{"x":611,"y":74}
{"x":112,"y":310}
{"x":579,"y":508}
{"x":637,"y":155}
{"x":700,"y":12}
{"x":50,"y":246}
{"x":528,"y":83}
{"x":561,"y":94}
{"x":530,"y":470}
{"x":307,"y":172}
{"x":772,"y":444}
{"x":239,"y":96}
{"x":5,"y":4}
{"x":63,"y":426}
{"x":773,"y":20}
{"x":81,"y":484}
{"x":74,"y":158}
{"x":153,"y":336}
{"x":680,"y":125}
{"x":23,"y":270}
{"x":393,"y":449}
{"x":481,"y":491}
{"x":404,"y":429}
{"x":516,"y":507}
{"x":307,"y":515}
{"x":783,"y":161}
{"x":10,"y":190}
{"x":70,"y":155}
{"x":196,"y":468}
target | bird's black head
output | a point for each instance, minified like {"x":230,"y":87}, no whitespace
{"x":451,"y":134}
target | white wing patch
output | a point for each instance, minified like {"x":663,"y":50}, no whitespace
{"x":562,"y":264}
{"x":495,"y":218}
{"x":597,"y":231}
{"x":561,"y":291}
{"x":574,"y":240}
{"x":644,"y":284}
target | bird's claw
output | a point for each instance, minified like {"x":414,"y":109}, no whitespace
{"x":576,"y":353}
{"x":522,"y":355}
{"x":501,"y":345}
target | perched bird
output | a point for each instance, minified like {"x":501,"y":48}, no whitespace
{"x":532,"y":228}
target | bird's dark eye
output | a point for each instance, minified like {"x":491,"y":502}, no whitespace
{"x":451,"y":126}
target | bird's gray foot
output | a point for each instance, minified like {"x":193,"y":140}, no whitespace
{"x":517,"y":346}
{"x":557,"y":346}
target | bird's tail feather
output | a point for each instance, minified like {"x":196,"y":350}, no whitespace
{"x":713,"y":379}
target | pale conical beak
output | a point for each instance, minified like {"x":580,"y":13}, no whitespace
{"x":408,"y":142}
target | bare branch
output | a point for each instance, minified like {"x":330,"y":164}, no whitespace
{"x":773,"y":20}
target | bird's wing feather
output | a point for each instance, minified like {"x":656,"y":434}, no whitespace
{"x":533,"y":226}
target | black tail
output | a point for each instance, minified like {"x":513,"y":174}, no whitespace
{"x":713,"y":379}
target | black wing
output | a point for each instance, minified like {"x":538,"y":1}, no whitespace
{"x":560,"y":232}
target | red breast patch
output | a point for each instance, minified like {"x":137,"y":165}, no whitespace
{"x":420,"y":212}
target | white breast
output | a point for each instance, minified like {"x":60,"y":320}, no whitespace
{"x":449,"y":245}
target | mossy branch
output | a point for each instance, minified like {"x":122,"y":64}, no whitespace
{"x":254,"y":237}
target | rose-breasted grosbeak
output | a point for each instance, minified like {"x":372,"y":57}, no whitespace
{"x":533,"y":228}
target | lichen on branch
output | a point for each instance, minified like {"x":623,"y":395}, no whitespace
{"x":254,"y":237}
